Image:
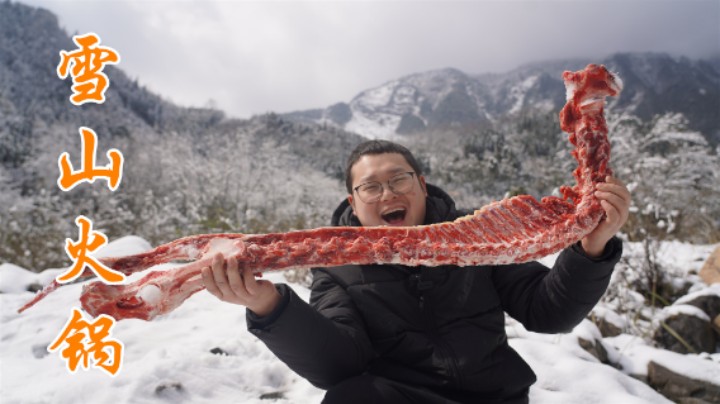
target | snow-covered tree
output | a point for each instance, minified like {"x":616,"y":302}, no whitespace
{"x":674,"y":176}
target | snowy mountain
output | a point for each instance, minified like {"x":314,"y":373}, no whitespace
{"x":490,"y":135}
{"x":655,"y":84}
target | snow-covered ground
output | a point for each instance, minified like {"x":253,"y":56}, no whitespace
{"x":170,"y":359}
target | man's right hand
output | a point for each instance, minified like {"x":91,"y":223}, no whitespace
{"x":226,"y":282}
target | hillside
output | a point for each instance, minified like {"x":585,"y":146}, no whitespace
{"x":187,"y":170}
{"x":192,"y":170}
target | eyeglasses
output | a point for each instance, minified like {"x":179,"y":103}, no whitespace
{"x":371,"y":192}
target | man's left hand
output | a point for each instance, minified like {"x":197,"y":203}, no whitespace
{"x":615,"y":199}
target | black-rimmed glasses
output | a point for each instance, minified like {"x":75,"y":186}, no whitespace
{"x":371,"y":192}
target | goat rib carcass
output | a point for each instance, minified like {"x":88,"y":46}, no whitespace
{"x":517,"y":229}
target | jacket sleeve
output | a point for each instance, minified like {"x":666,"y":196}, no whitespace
{"x":324,"y":341}
{"x":556,"y":300}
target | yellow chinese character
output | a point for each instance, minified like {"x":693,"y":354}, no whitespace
{"x":69,"y":178}
{"x":85,"y":339}
{"x":89,"y":82}
{"x":78,"y":251}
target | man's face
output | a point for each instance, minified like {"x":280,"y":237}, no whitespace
{"x":392,"y":209}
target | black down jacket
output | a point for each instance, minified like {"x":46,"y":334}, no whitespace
{"x":441,"y":328}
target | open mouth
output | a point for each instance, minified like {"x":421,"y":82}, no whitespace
{"x":394,"y":217}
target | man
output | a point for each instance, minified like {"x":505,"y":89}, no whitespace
{"x":396,"y":334}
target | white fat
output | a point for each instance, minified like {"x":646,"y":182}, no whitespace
{"x":150,"y":294}
{"x":224,"y":246}
{"x":570,"y":88}
{"x":591,"y":100}
{"x":191,"y":251}
{"x":618,"y":82}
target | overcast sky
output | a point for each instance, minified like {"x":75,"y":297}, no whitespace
{"x":254,"y":57}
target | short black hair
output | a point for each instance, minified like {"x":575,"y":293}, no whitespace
{"x":373,"y":147}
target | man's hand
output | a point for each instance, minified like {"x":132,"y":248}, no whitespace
{"x":615,"y":199}
{"x":226,"y":282}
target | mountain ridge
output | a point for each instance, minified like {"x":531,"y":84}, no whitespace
{"x":655,"y":84}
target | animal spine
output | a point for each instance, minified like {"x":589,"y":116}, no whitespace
{"x":518,"y":229}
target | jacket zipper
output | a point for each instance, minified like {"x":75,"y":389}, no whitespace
{"x":445,"y":350}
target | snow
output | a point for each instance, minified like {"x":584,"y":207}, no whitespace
{"x":565,"y":378}
{"x":376,"y":113}
{"x":712,"y":290}
{"x":683,"y":255}
{"x":14,"y":279}
{"x":683,"y":309}
{"x":609,"y":316}
{"x":123,"y":246}
{"x":518,"y":92}
{"x":376,"y":126}
{"x":688,"y":137}
{"x":170,"y":359}
{"x":635,"y":355}
{"x":404,"y":96}
{"x":377,"y":96}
